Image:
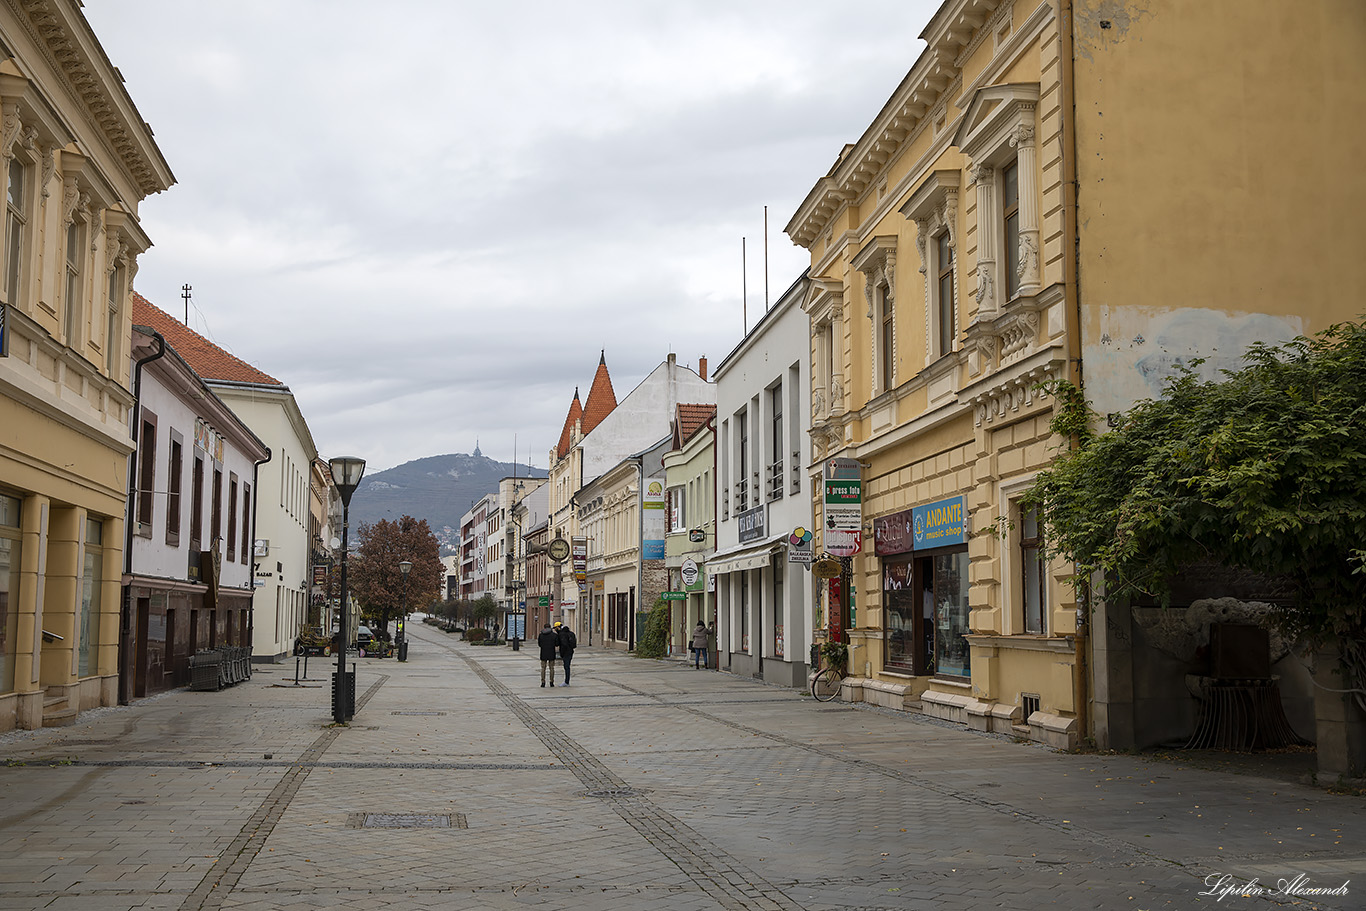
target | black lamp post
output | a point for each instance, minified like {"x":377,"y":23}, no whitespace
{"x":346,"y":474}
{"x":404,"y":567}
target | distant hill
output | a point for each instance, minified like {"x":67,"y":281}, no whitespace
{"x":439,"y":489}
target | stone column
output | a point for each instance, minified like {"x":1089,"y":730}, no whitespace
{"x":983,"y":176}
{"x":1340,"y":724}
{"x":28,"y":641}
{"x":111,"y":605}
{"x":1026,"y":155}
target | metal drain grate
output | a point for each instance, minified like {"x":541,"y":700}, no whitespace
{"x":613,"y":792}
{"x":417,"y":713}
{"x":406,"y":821}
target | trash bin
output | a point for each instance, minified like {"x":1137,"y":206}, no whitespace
{"x":403,"y":650}
{"x":348,"y":696}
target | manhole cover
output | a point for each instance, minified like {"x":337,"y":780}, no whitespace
{"x":612,"y":792}
{"x":417,"y":713}
{"x":406,"y":821}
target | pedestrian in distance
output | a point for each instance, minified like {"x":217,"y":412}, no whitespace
{"x":549,"y":641}
{"x":699,"y":646}
{"x":568,"y":642}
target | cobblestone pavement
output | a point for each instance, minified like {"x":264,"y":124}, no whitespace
{"x":463,"y":784}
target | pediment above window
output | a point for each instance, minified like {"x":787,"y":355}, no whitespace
{"x":993,"y":118}
{"x":877,"y":262}
{"x":934,"y":208}
{"x":824,"y":301}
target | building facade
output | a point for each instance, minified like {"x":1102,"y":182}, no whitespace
{"x":188,"y":578}
{"x":978,"y":242}
{"x":78,"y":160}
{"x":282,"y":539}
{"x":764,"y":591}
{"x":690,"y":530}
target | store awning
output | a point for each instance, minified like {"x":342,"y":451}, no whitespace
{"x":751,"y":555}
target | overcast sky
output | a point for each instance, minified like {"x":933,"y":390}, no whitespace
{"x":428,"y":218}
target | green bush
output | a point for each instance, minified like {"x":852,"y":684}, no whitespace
{"x":654,"y":639}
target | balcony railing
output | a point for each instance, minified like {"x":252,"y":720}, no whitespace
{"x":741,"y":496}
{"x":776,"y":481}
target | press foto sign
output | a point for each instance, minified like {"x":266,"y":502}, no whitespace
{"x":940,"y":524}
{"x":843,"y":507}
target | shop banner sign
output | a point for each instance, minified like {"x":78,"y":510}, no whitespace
{"x":652,"y":517}
{"x":579,"y":550}
{"x":940,"y":524}
{"x":752,"y":524}
{"x":892,"y":534}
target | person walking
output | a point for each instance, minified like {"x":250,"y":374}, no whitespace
{"x":548,"y":640}
{"x":699,"y":646}
{"x":568,"y":642}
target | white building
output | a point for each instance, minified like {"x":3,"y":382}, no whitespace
{"x":189,"y":524}
{"x":765,"y":602}
{"x":282,"y":554}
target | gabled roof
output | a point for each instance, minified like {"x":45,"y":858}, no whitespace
{"x":602,"y":398}
{"x":207,"y":359}
{"x":690,"y":419}
{"x":567,"y":434}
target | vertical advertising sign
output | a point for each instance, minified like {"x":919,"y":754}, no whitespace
{"x":579,"y":551}
{"x":652,"y":520}
{"x":843,"y":533}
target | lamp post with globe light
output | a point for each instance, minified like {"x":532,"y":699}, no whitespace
{"x":346,"y":474}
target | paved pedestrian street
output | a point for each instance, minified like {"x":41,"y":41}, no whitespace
{"x":463,"y":784}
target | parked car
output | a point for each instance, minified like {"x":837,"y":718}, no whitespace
{"x":364,"y":636}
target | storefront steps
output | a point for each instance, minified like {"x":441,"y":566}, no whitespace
{"x":57,"y":708}
{"x":1056,"y":731}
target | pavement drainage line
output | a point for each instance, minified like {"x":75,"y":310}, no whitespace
{"x":724,"y":878}
{"x":952,"y":793}
{"x":285,"y":764}
{"x":224,"y":875}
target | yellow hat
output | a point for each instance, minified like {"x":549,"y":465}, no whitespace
{"x":558,"y":623}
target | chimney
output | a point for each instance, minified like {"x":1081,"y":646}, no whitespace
{"x":702,"y":367}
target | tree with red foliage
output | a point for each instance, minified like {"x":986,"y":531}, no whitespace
{"x":374,"y":576}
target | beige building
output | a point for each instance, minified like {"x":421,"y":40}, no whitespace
{"x":690,"y":532}
{"x":1088,"y":191}
{"x":78,"y":159}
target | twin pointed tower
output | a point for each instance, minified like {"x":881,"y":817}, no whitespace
{"x":583,"y":417}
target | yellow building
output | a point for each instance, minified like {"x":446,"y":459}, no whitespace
{"x":1089,"y":191}
{"x":77,"y":161}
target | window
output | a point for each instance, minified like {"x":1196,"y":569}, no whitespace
{"x":885,"y":338}
{"x":1035,"y":578}
{"x":16,"y":224}
{"x":216,"y":508}
{"x":147,"y":455}
{"x":678,"y":513}
{"x":74,"y":305}
{"x":934,"y":209}
{"x":901,"y":607}
{"x":91,"y":581}
{"x":9,"y":588}
{"x":1010,"y":221}
{"x":744,"y":610}
{"x":113,"y":324}
{"x":945,"y":579}
{"x":246,"y":522}
{"x":742,"y":462}
{"x":944,"y":298}
{"x":776,"y":488}
{"x":197,"y":504}
{"x":779,"y":572}
{"x":173,"y":475}
{"x":232,"y":518}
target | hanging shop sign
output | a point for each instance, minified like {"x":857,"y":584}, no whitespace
{"x":826,"y":568}
{"x":690,"y":574}
{"x":652,"y":520}
{"x":697,"y":536}
{"x":801,"y":546}
{"x":843,"y":508}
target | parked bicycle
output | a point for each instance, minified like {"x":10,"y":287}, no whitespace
{"x":825,"y":685}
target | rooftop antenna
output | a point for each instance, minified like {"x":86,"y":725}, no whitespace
{"x":744,"y":288}
{"x":765,"y":259}
{"x":185,"y":293}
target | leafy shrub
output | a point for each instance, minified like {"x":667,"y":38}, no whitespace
{"x":476,"y":636}
{"x":654,"y":639}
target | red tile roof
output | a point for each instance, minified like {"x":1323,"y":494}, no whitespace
{"x":567,"y":434}
{"x":691,"y":418}
{"x":601,"y":397}
{"x":207,"y":359}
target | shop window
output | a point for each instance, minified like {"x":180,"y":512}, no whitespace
{"x":744,"y":610}
{"x":9,"y":580}
{"x":905,"y":627}
{"x":91,"y":579}
{"x":945,"y":580}
{"x":779,"y":566}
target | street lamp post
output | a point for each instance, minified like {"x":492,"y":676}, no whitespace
{"x":346,"y":474}
{"x":404,"y":567}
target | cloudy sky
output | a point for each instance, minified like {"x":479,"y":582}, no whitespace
{"x":428,"y":218}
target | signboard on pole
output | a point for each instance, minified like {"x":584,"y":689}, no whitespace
{"x":801,"y":546}
{"x":652,"y":520}
{"x":843,"y":507}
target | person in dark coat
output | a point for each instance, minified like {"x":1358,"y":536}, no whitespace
{"x":699,"y":646}
{"x":568,"y":642}
{"x":549,"y":641}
